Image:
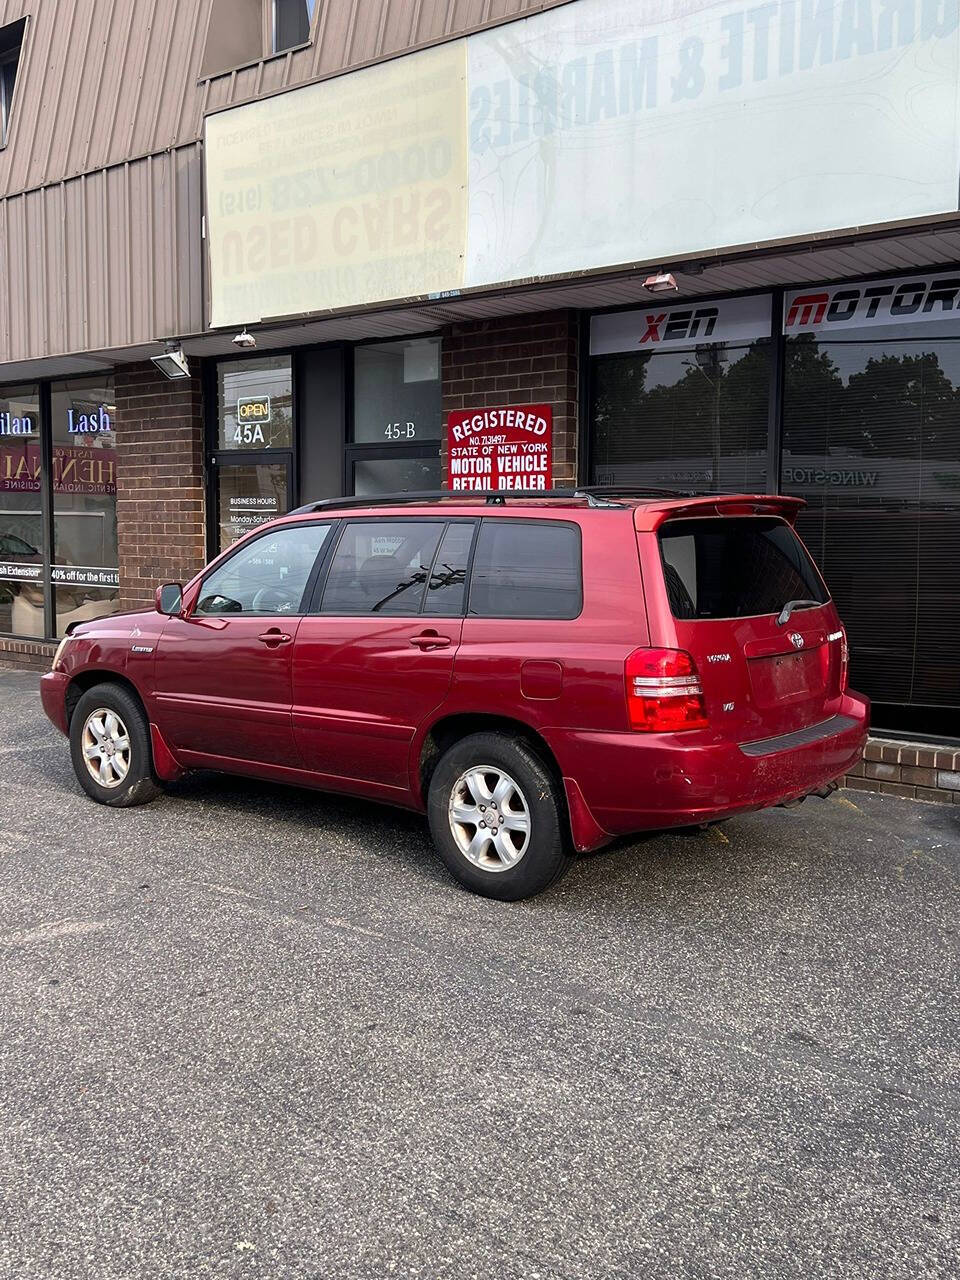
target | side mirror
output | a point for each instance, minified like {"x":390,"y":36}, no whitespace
{"x":170,"y":599}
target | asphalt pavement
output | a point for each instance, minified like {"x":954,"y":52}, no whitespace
{"x":251,"y":1031}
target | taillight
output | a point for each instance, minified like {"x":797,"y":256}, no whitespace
{"x":844,"y":660}
{"x":664,"y":694}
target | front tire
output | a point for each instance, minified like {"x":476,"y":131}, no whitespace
{"x":110,"y":747}
{"x":497,"y":818}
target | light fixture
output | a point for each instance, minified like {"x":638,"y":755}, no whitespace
{"x":661,"y":282}
{"x":244,"y":338}
{"x":173,"y":362}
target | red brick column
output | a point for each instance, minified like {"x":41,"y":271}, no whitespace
{"x":160,"y":486}
{"x":530,"y":359}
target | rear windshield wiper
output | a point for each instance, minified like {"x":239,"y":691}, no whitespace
{"x":789,"y":607}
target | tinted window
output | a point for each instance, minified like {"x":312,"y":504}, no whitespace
{"x":448,"y":580}
{"x":255,"y":403}
{"x":291,"y":23}
{"x":528,"y":569}
{"x":690,"y":419}
{"x":735,"y":567}
{"x":268,"y":575}
{"x":871,"y":439}
{"x":22,"y":570}
{"x":85,"y":559}
{"x":381,"y":566}
{"x":397,"y":399}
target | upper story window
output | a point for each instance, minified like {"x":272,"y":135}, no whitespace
{"x":240,"y":32}
{"x":291,"y":23}
{"x":11,"y":40}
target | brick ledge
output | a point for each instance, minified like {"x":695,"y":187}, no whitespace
{"x":26,"y":655}
{"x":915,"y":770}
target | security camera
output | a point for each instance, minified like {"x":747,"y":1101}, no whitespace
{"x":244,"y":339}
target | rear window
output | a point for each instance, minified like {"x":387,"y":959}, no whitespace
{"x":735,"y":567}
{"x":526,"y":569}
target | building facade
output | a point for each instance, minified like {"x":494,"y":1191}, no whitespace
{"x":687,"y":245}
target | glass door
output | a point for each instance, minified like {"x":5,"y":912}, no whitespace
{"x":252,"y":457}
{"x":397,"y":416}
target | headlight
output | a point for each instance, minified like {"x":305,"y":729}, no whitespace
{"x":59,"y":654}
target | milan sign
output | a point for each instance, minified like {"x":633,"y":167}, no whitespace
{"x":501,"y":448}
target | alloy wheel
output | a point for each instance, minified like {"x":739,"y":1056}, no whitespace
{"x":106,"y":747}
{"x":489,"y":818}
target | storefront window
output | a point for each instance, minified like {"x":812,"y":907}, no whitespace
{"x":694,"y":418}
{"x":256,"y":403}
{"x":397,"y":392}
{"x":21,"y":524}
{"x":375,"y":476}
{"x":85,"y":565}
{"x":249,"y":496}
{"x":871,"y":439}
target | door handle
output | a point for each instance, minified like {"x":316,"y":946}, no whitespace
{"x":274,"y":637}
{"x":430,"y":640}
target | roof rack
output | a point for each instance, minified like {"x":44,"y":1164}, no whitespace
{"x":593,"y":495}
{"x":492,"y":498}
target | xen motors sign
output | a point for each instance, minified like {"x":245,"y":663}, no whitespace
{"x":658,"y":328}
{"x":907,"y":300}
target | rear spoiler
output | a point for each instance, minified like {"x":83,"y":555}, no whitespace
{"x":649,"y":517}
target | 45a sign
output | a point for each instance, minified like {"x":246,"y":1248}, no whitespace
{"x":252,"y":413}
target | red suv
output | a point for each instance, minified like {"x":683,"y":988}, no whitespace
{"x":540,"y":674}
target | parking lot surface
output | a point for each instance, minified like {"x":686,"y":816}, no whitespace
{"x":251,"y":1031}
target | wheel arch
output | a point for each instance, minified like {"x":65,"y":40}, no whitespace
{"x":580,"y":823}
{"x":452,"y":728}
{"x":84,"y":680}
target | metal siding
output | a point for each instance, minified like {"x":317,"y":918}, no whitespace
{"x":100,"y":220}
{"x":104,"y":81}
{"x":108,"y":259}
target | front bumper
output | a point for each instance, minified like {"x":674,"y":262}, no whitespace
{"x":638,"y":782}
{"x":53,"y":695}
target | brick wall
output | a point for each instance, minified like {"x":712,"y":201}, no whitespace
{"x":160,"y":493}
{"x":530,"y":359}
{"x":908,"y":769}
{"x":26,"y":655}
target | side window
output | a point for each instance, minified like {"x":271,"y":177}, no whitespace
{"x":528,"y":569}
{"x":268,"y":575}
{"x":448,"y":580}
{"x":381,"y":566}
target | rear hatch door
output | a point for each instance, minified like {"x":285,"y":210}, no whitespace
{"x":746,"y":601}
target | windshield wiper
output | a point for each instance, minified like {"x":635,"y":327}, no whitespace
{"x":789,"y":607}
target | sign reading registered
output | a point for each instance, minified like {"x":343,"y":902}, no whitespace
{"x":509,"y":448}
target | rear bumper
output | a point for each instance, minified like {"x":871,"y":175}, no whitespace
{"x":53,"y":695}
{"x":636,"y":782}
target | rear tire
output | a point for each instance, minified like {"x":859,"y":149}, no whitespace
{"x":110,"y":747}
{"x":497,"y":817}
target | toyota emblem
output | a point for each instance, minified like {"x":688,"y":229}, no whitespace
{"x":796,"y":639}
